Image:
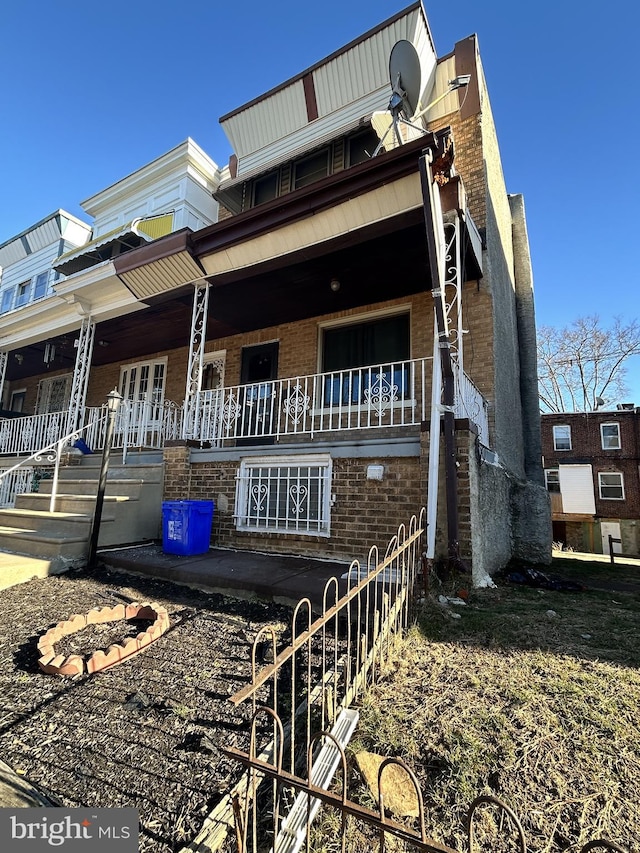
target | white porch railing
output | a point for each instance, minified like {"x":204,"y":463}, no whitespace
{"x":20,"y":436}
{"x":379,"y":396}
{"x":386,"y":395}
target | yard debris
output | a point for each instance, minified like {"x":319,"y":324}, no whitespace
{"x":533,"y":577}
{"x":397,"y":788}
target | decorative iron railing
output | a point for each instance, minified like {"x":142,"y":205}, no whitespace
{"x":379,"y":396}
{"x":383,"y":395}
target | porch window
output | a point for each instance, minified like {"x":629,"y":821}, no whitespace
{"x":311,"y":169}
{"x":562,"y":437}
{"x":611,"y":485}
{"x":22,"y":295}
{"x":552,"y":479}
{"x":380,"y":344}
{"x":7,"y":300}
{"x":54,"y":394}
{"x":610,"y":434}
{"x":284,"y":494}
{"x":40,"y":288}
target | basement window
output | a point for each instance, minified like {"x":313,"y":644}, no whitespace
{"x":284,"y":494}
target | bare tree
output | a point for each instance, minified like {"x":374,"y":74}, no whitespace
{"x":580,"y":364}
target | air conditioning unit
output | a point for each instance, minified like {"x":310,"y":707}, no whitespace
{"x":625,"y":407}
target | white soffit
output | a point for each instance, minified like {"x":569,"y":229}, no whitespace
{"x":576,"y":487}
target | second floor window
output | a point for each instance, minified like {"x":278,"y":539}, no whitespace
{"x":552,"y":479}
{"x":40,"y":288}
{"x":562,"y":437}
{"x":22,"y":295}
{"x":311,"y":169}
{"x":610,"y":434}
{"x":7,"y":300}
{"x":611,"y":485}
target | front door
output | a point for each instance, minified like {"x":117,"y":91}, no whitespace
{"x":259,"y":367}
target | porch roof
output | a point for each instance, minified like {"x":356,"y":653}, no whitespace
{"x":273,"y":263}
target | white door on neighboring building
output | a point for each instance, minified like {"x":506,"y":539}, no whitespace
{"x":142,"y":385}
{"x":607,"y":529}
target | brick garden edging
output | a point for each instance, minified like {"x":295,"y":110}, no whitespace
{"x":56,"y":664}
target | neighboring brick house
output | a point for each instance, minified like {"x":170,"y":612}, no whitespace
{"x":592,"y":472}
{"x":284,"y":355}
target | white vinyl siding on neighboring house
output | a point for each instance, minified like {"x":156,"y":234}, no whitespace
{"x":576,"y":485}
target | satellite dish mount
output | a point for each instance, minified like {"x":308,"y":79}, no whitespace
{"x":405,"y":75}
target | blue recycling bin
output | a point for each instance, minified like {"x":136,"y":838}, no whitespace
{"x":186,"y":527}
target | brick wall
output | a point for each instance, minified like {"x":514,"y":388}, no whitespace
{"x":365,"y":512}
{"x":586,"y":448}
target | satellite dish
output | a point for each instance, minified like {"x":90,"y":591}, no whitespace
{"x":406,"y":77}
{"x":406,"y":84}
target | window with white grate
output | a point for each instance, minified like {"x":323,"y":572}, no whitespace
{"x":284,"y":494}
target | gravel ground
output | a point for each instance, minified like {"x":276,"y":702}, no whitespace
{"x":144,"y":734}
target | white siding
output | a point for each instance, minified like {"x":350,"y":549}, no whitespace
{"x":348,"y":87}
{"x":576,"y":487}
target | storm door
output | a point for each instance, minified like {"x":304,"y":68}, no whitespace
{"x":258,"y":372}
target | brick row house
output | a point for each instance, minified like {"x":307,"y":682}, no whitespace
{"x":592,"y":471}
{"x":321,"y":340}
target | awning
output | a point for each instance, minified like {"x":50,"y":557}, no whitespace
{"x":114,"y":243}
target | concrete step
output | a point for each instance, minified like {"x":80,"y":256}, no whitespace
{"x":30,"y":543}
{"x":80,"y":486}
{"x":83,"y":504}
{"x":89,"y":466}
{"x":56,"y":523}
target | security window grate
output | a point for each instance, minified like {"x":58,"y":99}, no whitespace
{"x":284,"y":495}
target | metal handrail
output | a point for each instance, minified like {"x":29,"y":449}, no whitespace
{"x":52,"y":453}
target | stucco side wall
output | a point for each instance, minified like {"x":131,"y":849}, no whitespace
{"x":510,"y":518}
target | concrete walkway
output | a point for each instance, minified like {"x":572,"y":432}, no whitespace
{"x":244,"y":574}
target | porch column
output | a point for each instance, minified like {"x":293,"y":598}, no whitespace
{"x":4,"y":355}
{"x":191,"y":413}
{"x":453,"y":286}
{"x":81,"y":370}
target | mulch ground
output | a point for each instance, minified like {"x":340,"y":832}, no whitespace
{"x":145,"y":733}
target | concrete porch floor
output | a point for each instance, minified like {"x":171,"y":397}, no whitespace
{"x":243,"y":574}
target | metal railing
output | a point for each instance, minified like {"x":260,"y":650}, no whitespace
{"x":313,"y":682}
{"x":52,"y":455}
{"x":379,"y":396}
{"x":383,"y":395}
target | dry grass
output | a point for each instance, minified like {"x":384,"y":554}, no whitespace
{"x":532,"y":696}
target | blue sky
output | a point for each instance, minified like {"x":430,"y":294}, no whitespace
{"x":91,"y":92}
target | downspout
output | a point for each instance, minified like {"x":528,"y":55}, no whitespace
{"x":431,"y":205}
